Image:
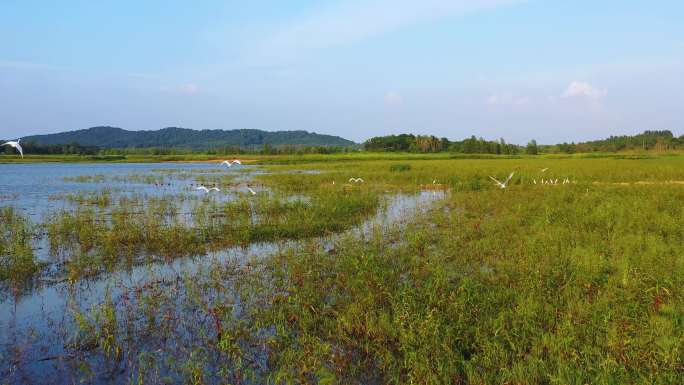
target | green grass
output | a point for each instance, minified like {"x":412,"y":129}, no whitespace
{"x":324,"y":158}
{"x":535,"y":284}
{"x":17,"y":262}
{"x":99,"y":235}
{"x":517,"y":287}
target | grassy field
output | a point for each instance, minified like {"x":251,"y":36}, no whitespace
{"x":566,"y":283}
{"x":304,"y":158}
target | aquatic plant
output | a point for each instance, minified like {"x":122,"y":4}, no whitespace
{"x":17,"y":262}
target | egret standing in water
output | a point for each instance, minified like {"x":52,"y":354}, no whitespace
{"x":503,"y":185}
{"x":15,"y":145}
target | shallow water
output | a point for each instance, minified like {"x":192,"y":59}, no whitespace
{"x":29,"y":187}
{"x":35,"y":324}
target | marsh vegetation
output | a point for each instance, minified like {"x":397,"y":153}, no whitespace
{"x":310,"y":281}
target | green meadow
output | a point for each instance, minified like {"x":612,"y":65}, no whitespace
{"x":571,"y":275}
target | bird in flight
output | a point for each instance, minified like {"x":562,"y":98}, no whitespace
{"x":230,"y":163}
{"x":544,"y":169}
{"x":502,"y":185}
{"x":206,"y":190}
{"x":15,"y":145}
{"x":356,"y":180}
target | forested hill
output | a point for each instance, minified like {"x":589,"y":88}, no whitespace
{"x":114,"y":137}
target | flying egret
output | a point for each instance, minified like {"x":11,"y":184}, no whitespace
{"x":206,"y":190}
{"x":230,"y":163}
{"x":503,"y":185}
{"x":15,"y":145}
{"x":544,"y":169}
{"x":356,"y":180}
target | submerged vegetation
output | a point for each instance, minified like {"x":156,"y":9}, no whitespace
{"x":538,"y":283}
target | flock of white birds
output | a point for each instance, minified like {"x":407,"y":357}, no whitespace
{"x":543,"y":181}
{"x":228,"y":163}
{"x":231,"y":163}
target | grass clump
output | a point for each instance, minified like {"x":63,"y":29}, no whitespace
{"x":17,"y":262}
{"x":400,"y":167}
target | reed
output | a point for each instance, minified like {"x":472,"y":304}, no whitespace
{"x":17,"y":262}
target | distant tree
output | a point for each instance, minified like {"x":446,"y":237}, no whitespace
{"x":532,"y":148}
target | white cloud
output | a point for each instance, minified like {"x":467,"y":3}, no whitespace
{"x":584,"y":90}
{"x":393,"y":97}
{"x":361,"y":19}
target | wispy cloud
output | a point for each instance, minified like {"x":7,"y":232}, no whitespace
{"x":358,"y":20}
{"x":579,"y":90}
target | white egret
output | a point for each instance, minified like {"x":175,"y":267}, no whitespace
{"x":230,"y":163}
{"x":15,"y":145}
{"x":544,"y":169}
{"x":206,"y":190}
{"x":503,"y":185}
{"x":251,"y":191}
{"x":356,"y":180}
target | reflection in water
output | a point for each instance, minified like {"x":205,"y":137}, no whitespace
{"x":35,"y":327}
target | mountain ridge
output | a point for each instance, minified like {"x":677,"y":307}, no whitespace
{"x":116,"y":137}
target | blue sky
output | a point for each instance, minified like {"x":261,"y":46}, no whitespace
{"x":549,"y":70}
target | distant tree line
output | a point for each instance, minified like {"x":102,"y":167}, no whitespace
{"x":662,"y":140}
{"x":267,"y":149}
{"x":54,"y":149}
{"x":648,"y":140}
{"x":429,"y":143}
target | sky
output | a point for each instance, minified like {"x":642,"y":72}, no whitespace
{"x":549,"y":70}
